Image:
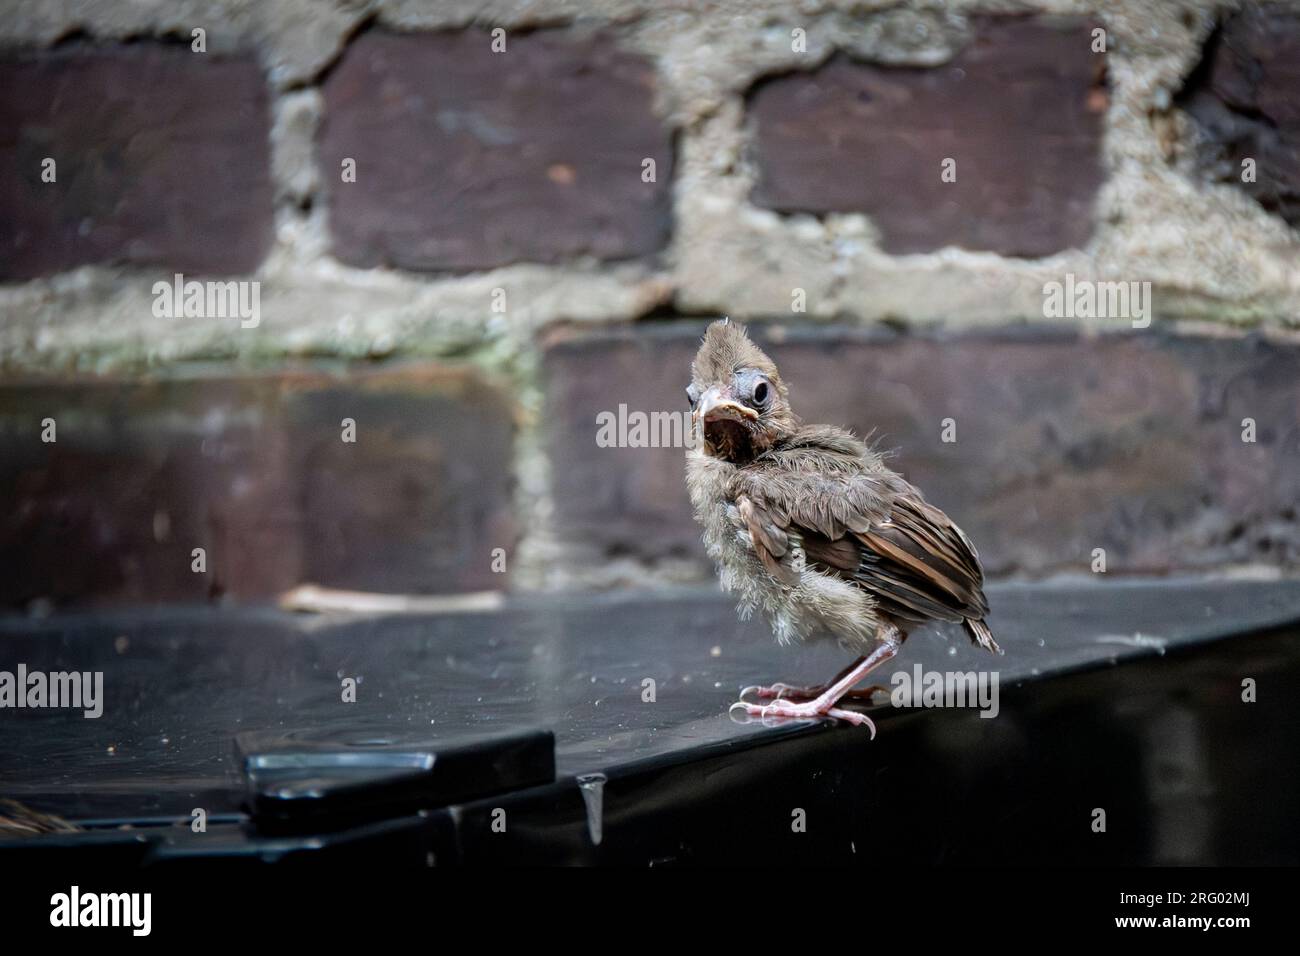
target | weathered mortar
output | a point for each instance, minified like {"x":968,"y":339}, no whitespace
{"x":1212,"y":252}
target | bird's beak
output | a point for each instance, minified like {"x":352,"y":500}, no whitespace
{"x":715,"y":407}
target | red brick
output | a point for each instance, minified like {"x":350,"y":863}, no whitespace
{"x":1019,"y":109}
{"x":469,"y":159}
{"x":254,"y":470}
{"x":162,"y":157}
{"x":1245,"y":97}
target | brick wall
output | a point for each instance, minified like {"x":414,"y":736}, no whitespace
{"x":474,"y":226}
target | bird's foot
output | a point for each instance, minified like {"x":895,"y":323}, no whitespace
{"x":783,"y":709}
{"x":825,"y":704}
{"x":790,"y":692}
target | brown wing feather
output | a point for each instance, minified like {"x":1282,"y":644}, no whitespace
{"x":954,"y":583}
{"x":919,"y":543}
{"x":770,"y":540}
{"x":899,"y":592}
{"x":864,"y":524}
{"x":916,"y":562}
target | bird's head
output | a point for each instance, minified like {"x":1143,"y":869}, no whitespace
{"x":739,"y":405}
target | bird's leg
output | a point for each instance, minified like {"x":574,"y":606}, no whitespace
{"x":791,"y":692}
{"x":824,"y":704}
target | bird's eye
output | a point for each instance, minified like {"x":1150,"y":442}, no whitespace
{"x":760,"y":392}
{"x":692,"y":395}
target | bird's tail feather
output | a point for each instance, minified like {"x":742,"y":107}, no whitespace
{"x":980,"y":634}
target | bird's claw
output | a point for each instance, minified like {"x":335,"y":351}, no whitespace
{"x":802,"y":694}
{"x":772,"y":691}
{"x":781,"y":709}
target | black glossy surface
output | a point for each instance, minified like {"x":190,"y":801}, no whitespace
{"x":1186,"y":772}
{"x":315,"y":788}
{"x":180,"y":686}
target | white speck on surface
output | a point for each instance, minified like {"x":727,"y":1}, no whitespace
{"x":1135,"y":640}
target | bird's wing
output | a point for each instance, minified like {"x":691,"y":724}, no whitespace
{"x":875,"y":531}
{"x":769,"y":539}
{"x":920,"y":565}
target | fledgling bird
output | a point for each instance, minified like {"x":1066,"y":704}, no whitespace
{"x":808,"y":525}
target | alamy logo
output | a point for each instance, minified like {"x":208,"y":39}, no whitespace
{"x":179,"y":299}
{"x":644,"y":429}
{"x":922,"y":688}
{"x":1086,"y":299}
{"x":75,"y":908}
{"x":75,"y":689}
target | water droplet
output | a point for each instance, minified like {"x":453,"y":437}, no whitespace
{"x":592,"y":786}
